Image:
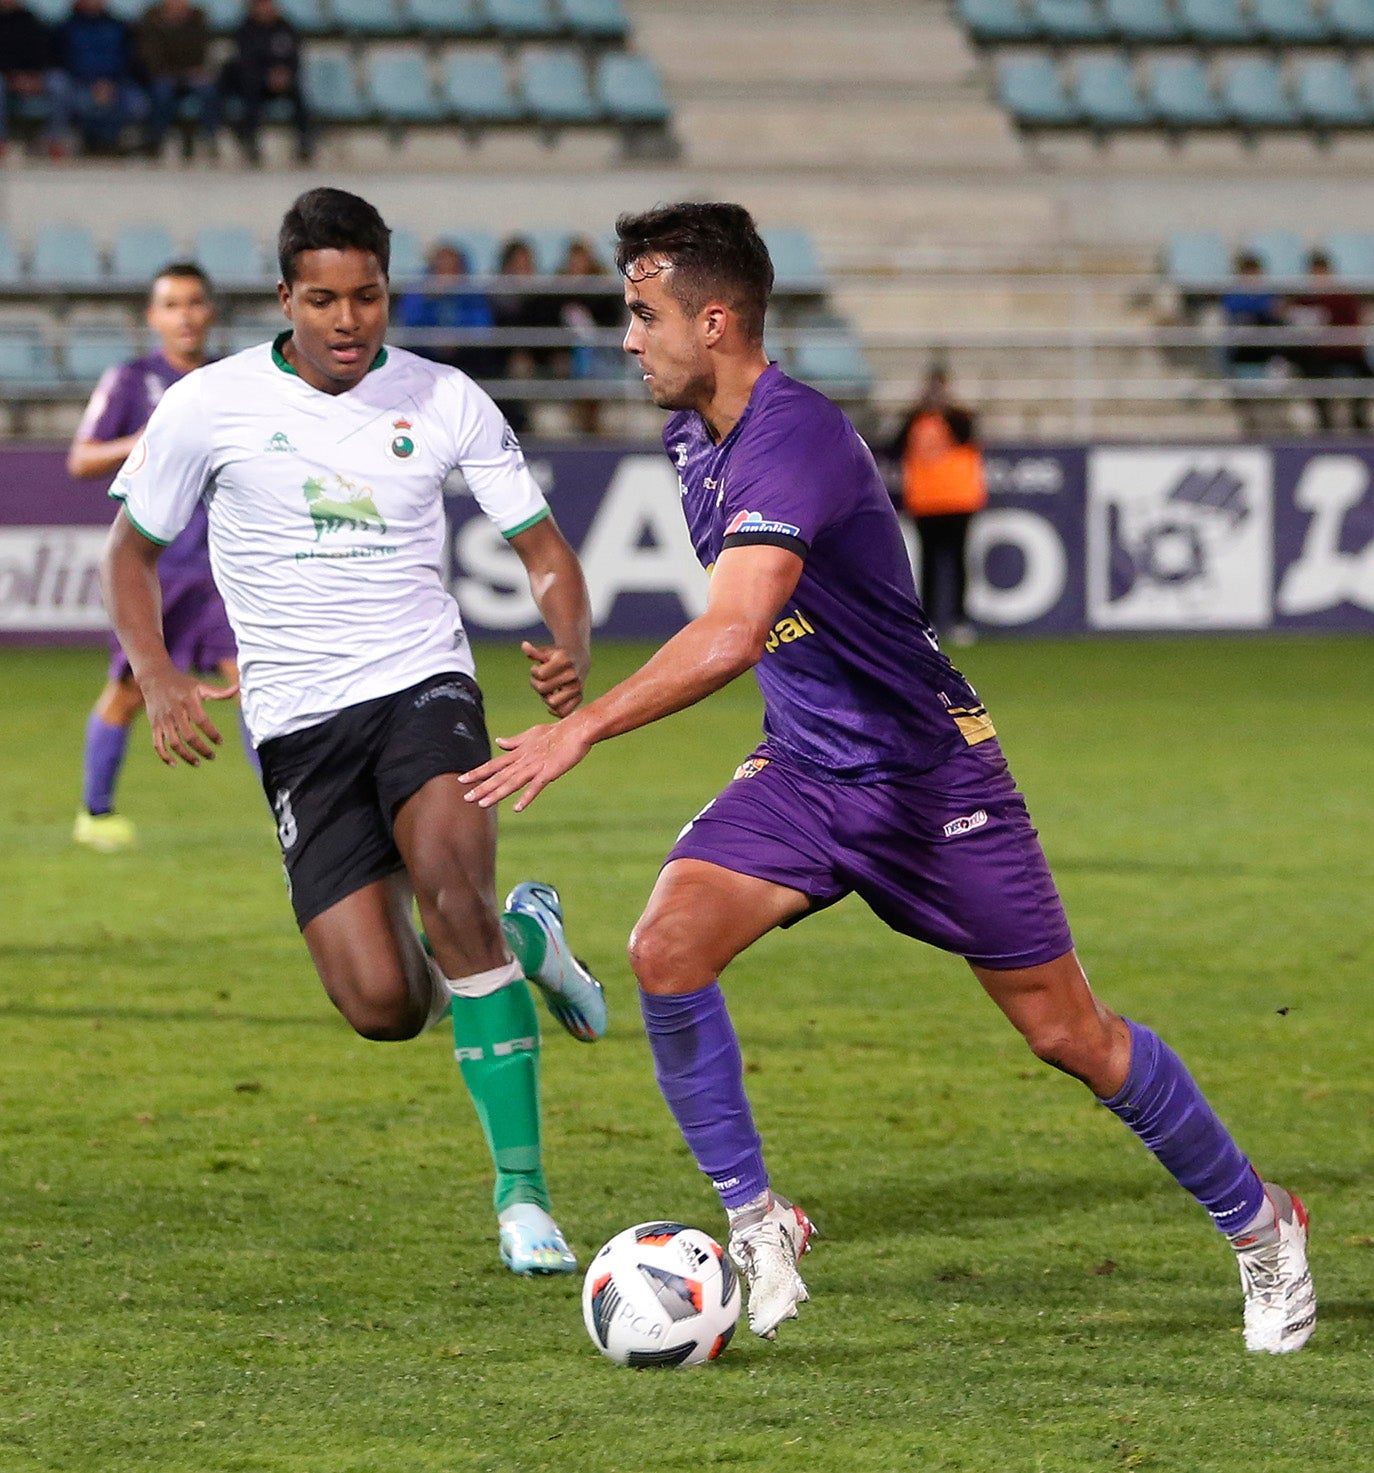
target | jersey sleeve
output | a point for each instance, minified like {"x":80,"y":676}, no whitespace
{"x":775,"y":491}
{"x":169,"y":468}
{"x":110,"y":414}
{"x":493,"y":464}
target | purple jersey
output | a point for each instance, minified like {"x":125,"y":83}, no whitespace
{"x":854,"y":685}
{"x":123,"y":400}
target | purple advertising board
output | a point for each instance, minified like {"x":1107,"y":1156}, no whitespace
{"x":1076,"y":539}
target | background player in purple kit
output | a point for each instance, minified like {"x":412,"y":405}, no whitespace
{"x":180,"y":314}
{"x":880,"y":773}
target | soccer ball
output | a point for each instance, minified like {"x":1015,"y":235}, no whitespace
{"x":661,"y":1294}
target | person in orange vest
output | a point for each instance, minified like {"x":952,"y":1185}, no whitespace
{"x":942,"y":489}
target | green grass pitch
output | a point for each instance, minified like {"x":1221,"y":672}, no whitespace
{"x":235,"y":1237}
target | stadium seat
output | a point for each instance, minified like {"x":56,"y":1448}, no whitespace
{"x":549,"y":244}
{"x":11,"y":269}
{"x":629,"y":88}
{"x":65,"y":253}
{"x":1143,"y":20}
{"x":554,"y":86}
{"x":1215,"y":22}
{"x":794,"y":257}
{"x":1069,"y":20}
{"x":93,"y":347}
{"x":480,"y":247}
{"x":140,"y":252}
{"x":369,"y":17}
{"x":1351,"y":253}
{"x":1280,"y":252}
{"x":308,"y":16}
{"x":1351,"y":21}
{"x":595,"y":20}
{"x":407,"y":255}
{"x":1193,"y":256}
{"x":25,"y":356}
{"x":1180,"y":92}
{"x":1328,"y":94}
{"x":446,"y":17}
{"x":1106,"y":90}
{"x":1030,"y":88}
{"x":831,"y":362}
{"x":1253,"y":91}
{"x":1289,"y":22}
{"x":248,"y":331}
{"x":397,"y":86}
{"x":51,"y":12}
{"x":223,"y":15}
{"x":995,"y":21}
{"x":229,"y":253}
{"x":475,"y":87}
{"x":523,"y":18}
{"x":331,"y":86}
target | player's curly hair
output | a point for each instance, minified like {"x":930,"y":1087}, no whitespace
{"x":715,"y":250}
{"x":331,"y":220}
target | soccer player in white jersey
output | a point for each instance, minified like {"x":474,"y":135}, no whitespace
{"x":321,"y":458}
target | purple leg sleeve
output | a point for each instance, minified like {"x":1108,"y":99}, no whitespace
{"x":104,"y":756}
{"x":1163,"y":1105}
{"x":698,"y":1067}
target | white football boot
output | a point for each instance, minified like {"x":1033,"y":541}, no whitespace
{"x":1280,"y":1302}
{"x":767,"y":1241}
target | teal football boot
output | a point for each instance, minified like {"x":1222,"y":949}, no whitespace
{"x":533,"y":925}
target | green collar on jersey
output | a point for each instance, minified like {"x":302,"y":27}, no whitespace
{"x":279,"y":358}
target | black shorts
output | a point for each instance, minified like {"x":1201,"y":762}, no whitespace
{"x":335,"y":787}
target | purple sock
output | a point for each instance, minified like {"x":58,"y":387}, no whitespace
{"x":104,"y":756}
{"x":1161,"y":1102}
{"x":698,"y":1067}
{"x":249,"y":750}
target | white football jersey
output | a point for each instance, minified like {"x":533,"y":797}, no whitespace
{"x":327,"y":521}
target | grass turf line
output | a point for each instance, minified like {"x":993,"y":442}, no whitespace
{"x":235,"y":1237}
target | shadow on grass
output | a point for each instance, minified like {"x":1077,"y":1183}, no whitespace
{"x":106,"y":1014}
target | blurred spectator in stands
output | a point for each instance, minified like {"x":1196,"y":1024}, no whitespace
{"x":942,"y":490}
{"x":444,"y":301}
{"x":583,"y":314}
{"x":96,"y":49}
{"x":1330,"y":307}
{"x":529,"y":310}
{"x":1252,"y":305}
{"x":266,"y":68}
{"x":174,"y":47}
{"x":30,"y":85}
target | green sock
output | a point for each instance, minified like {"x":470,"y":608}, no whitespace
{"x":525,"y":937}
{"x":496,"y":1039}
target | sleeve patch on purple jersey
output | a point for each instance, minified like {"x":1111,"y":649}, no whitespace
{"x":751,"y":523}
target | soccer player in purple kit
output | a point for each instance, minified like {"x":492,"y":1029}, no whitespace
{"x":879,"y":773}
{"x":180,"y":313}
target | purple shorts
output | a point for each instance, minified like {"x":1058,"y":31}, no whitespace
{"x":194,"y":625}
{"x":948,"y":857}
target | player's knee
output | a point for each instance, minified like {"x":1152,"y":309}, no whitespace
{"x":664,"y":958}
{"x":380,"y":1009}
{"x":1077,"y":1052}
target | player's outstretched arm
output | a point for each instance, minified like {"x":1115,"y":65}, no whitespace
{"x":174,"y":701}
{"x":558,"y":671}
{"x":749,"y":586}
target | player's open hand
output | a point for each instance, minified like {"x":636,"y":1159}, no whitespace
{"x":555,"y":677}
{"x":176,"y":713}
{"x":530,"y":761}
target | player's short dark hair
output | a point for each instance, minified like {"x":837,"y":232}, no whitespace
{"x":716,"y":251}
{"x":331,"y":220}
{"x":182,"y":271}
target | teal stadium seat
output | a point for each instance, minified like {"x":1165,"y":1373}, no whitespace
{"x":1180,"y":91}
{"x":630,"y":89}
{"x":995,"y":22}
{"x":309,"y":17}
{"x":795,"y":260}
{"x":331,"y":86}
{"x":1328,"y":94}
{"x":407,"y":255}
{"x":25,"y":356}
{"x":1253,"y":91}
{"x":554,"y":86}
{"x":397,"y":86}
{"x":1215,"y":22}
{"x":549,"y":244}
{"x":1107,"y":92}
{"x":140,"y":252}
{"x":447,"y":17}
{"x":92,"y":349}
{"x":1192,"y":257}
{"x":230,"y":253}
{"x":523,"y":18}
{"x":1079,"y":21}
{"x":1143,"y":20}
{"x":369,"y":17}
{"x":1351,"y":253}
{"x":223,"y":15}
{"x":51,"y":12}
{"x":475,"y":87}
{"x":65,"y":253}
{"x":595,"y":20}
{"x":1290,"y":22}
{"x":1352,"y":21}
{"x":1280,"y":252}
{"x":11,"y":268}
{"x":1031,"y":89}
{"x":479,"y":247}
{"x":832,"y":364}
{"x":247,"y":332}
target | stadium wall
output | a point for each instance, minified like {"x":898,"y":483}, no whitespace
{"x":1077,"y":539}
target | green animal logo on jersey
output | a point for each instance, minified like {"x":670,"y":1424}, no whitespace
{"x":280,"y":444}
{"x":336,"y":503}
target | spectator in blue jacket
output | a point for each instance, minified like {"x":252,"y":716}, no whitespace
{"x":96,"y":49}
{"x":444,"y":301}
{"x":30,"y":85}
